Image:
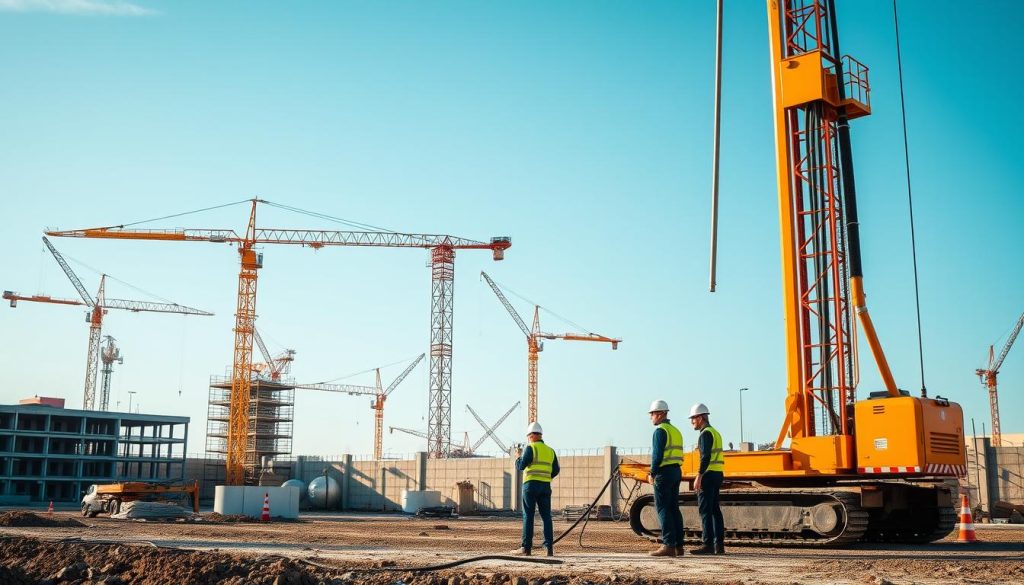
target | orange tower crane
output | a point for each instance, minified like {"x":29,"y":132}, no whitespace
{"x":534,"y":343}
{"x":988,"y":378}
{"x":380,"y":395}
{"x":97,"y":309}
{"x":442,"y":253}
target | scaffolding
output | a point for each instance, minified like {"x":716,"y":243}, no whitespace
{"x":269,"y":437}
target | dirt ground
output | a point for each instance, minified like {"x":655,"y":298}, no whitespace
{"x":358,"y":548}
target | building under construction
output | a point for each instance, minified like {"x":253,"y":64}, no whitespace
{"x":271,"y":414}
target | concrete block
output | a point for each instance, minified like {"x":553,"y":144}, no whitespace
{"x":248,"y":500}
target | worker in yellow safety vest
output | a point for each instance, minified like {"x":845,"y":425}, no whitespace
{"x":709,"y":483}
{"x":539,"y":465}
{"x":665,"y":476}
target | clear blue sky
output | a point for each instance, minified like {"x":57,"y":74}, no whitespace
{"x":580,"y":129}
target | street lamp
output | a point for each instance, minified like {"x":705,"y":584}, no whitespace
{"x":742,"y":390}
{"x":130,"y":392}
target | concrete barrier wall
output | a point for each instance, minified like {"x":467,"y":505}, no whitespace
{"x":378,"y":485}
{"x":492,"y":480}
{"x":372,"y":485}
{"x":1008,"y":469}
{"x":994,"y":474}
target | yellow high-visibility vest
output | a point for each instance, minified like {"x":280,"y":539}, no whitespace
{"x":673,"y":453}
{"x":717,"y":455}
{"x":540,"y":468}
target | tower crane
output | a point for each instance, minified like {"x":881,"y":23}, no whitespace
{"x":380,"y":395}
{"x":490,"y":430}
{"x":988,"y":375}
{"x":240,"y":461}
{"x":879,"y":468}
{"x":534,"y":344}
{"x":98,"y":307}
{"x":109,"y":354}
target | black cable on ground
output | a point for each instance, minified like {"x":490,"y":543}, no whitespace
{"x":586,"y":514}
{"x":442,"y":566}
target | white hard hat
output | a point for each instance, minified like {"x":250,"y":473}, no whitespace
{"x":658,"y":405}
{"x":534,"y":427}
{"x":699,"y":409}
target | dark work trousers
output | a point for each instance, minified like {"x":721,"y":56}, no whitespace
{"x":709,"y":505}
{"x":666,"y":501}
{"x":536,"y":496}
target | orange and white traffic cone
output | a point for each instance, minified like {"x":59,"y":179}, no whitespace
{"x":966,"y":521}
{"x":49,"y":511}
{"x":265,"y":517}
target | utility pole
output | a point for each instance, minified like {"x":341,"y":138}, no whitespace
{"x":742,"y":390}
{"x":130,"y":393}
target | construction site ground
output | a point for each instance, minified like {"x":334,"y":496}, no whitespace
{"x":369,"y":548}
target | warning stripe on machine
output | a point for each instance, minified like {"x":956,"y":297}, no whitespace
{"x":946,"y":469}
{"x":916,"y":469}
{"x":932,"y":468}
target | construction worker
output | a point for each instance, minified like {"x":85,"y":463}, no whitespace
{"x":539,"y":465}
{"x":709,"y":482}
{"x":665,"y":476}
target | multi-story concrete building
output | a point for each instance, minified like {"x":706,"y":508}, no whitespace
{"x":52,"y":453}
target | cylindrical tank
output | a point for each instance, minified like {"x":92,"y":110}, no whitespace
{"x":324,"y":494}
{"x":298,"y":483}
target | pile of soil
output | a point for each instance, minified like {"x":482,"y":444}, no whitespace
{"x":216,"y":517}
{"x":20,"y":518}
{"x":28,"y":561}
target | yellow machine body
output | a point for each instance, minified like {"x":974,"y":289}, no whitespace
{"x":909,"y":435}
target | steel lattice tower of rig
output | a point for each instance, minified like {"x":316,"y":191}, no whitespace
{"x":442,"y":304}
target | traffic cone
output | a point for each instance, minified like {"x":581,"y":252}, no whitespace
{"x":49,"y":511}
{"x":966,"y":521}
{"x":266,"y":508}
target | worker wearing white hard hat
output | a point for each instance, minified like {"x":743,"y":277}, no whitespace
{"x":709,"y":482}
{"x":665,"y":476}
{"x":539,"y":465}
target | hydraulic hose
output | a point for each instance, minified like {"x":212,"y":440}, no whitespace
{"x":586,"y":514}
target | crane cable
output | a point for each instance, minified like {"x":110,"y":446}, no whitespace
{"x":910,"y":199}
{"x":173,"y":215}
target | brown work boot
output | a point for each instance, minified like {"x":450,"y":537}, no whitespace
{"x":522,"y":552}
{"x":664,"y":551}
{"x":680,"y":550}
{"x":704,"y":550}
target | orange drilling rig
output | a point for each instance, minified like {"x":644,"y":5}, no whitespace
{"x":882,"y":468}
